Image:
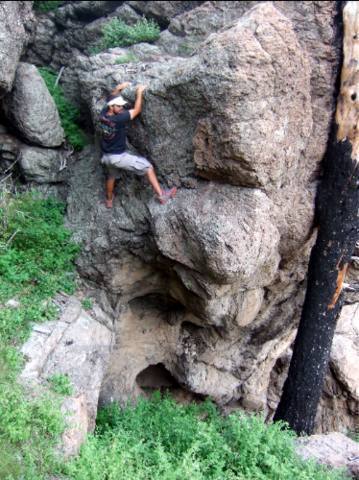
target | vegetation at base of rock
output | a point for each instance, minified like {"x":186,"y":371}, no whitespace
{"x":116,"y":33}
{"x":29,"y":428}
{"x":68,"y":112}
{"x":61,"y":384}
{"x":48,"y":6}
{"x":36,"y":261}
{"x":128,"y":58}
{"x":160,"y":439}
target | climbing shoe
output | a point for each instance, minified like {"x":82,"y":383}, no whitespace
{"x":109,"y":203}
{"x":166,"y":195}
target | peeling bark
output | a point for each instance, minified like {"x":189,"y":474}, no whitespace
{"x":337,"y":217}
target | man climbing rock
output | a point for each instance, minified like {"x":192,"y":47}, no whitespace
{"x":113,"y":120}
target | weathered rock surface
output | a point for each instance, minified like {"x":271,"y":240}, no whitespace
{"x":211,"y":284}
{"x":31,"y":110}
{"x":198,"y":230}
{"x":163,"y":12}
{"x":334,"y":450}
{"x":237,"y":317}
{"x":15,"y":18}
{"x":9,"y":151}
{"x":77,"y":346}
{"x":42,"y":165}
{"x":344,"y":355}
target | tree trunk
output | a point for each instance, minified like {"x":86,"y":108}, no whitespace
{"x":337,"y":220}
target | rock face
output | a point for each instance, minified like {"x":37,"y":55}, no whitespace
{"x":41,"y":165}
{"x":15,"y":17}
{"x":207,"y":290}
{"x":31,"y":110}
{"x":227,"y":261}
{"x":334,"y":450}
{"x":77,"y":345}
{"x":345,"y":353}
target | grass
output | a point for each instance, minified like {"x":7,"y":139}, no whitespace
{"x":68,"y":113}
{"x":127,"y":58}
{"x":116,"y":33}
{"x":36,"y":261}
{"x":160,"y":440}
{"x":61,"y":384}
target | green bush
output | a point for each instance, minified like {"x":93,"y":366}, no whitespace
{"x":87,"y":303}
{"x":36,"y":261}
{"x":116,"y":33}
{"x":160,"y":440}
{"x":68,"y":113}
{"x":128,"y":58}
{"x":46,"y":6}
{"x":29,"y":430}
{"x":61,"y":384}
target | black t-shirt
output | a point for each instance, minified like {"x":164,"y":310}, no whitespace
{"x":113,"y":131}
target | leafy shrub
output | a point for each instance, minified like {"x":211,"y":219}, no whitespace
{"x":48,"y":6}
{"x":36,"y":260}
{"x":116,"y":33}
{"x":160,"y":440}
{"x":128,"y":58}
{"x":87,"y":303}
{"x":61,"y":384}
{"x":68,"y":113}
{"x":29,"y":429}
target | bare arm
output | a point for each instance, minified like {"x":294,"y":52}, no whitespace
{"x":118,"y":89}
{"x":138,"y":103}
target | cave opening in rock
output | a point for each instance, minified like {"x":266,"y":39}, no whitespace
{"x":157,"y":378}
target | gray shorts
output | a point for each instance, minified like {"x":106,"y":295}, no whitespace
{"x":124,"y":161}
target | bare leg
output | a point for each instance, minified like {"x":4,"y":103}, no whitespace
{"x":152,"y":178}
{"x":110,"y":185}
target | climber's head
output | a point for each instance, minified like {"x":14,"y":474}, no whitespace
{"x":116,"y":104}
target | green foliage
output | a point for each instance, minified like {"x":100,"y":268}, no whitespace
{"x":61,"y":384}
{"x":353,"y":435}
{"x":87,"y":303}
{"x":68,"y":113}
{"x":36,"y":260}
{"x":48,"y":6}
{"x":128,"y":58}
{"x":29,"y":430}
{"x":116,"y":33}
{"x":160,"y":440}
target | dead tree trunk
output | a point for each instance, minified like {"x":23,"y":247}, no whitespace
{"x":337,"y":220}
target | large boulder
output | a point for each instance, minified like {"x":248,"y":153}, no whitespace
{"x":334,"y":450}
{"x":42,"y":165}
{"x":31,"y":109}
{"x":227,"y":263}
{"x":224,"y":233}
{"x":77,"y":346}
{"x":15,"y":18}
